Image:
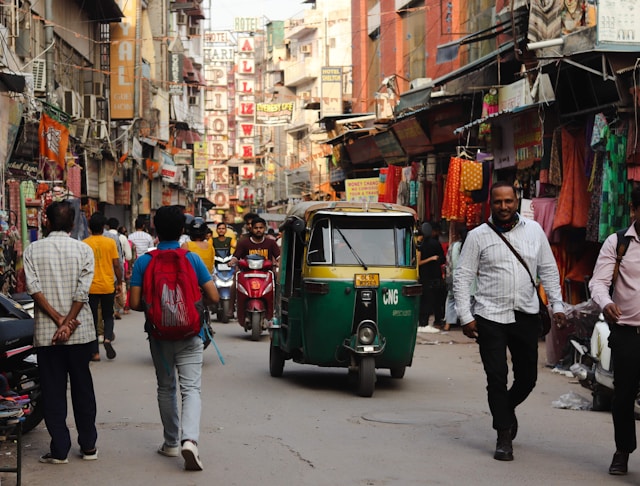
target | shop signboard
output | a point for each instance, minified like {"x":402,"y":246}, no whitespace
{"x":362,"y":190}
{"x":390,"y":148}
{"x":412,"y":137}
{"x":364,"y":151}
{"x":123,"y":62}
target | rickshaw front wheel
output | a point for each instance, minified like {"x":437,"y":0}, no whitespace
{"x":398,"y":372}
{"x":276,"y":361}
{"x":366,"y":376}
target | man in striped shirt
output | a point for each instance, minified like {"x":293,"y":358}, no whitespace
{"x":504,"y":313}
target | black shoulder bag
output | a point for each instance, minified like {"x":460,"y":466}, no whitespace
{"x":545,"y":316}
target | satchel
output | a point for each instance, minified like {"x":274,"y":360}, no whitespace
{"x":543,"y":312}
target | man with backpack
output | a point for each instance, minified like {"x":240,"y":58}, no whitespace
{"x":621,"y":309}
{"x":166,"y":284}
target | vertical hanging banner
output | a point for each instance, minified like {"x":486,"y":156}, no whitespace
{"x":200,"y":156}
{"x":122,"y":53}
{"x":331,"y":91}
{"x":54,"y":140}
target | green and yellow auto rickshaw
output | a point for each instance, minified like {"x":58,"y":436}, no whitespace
{"x":348,"y":293}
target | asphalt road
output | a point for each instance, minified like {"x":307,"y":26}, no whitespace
{"x":309,"y":428}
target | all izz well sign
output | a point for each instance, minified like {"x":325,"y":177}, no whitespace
{"x":122,"y":53}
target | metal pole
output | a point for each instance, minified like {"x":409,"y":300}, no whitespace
{"x":49,"y":58}
{"x":136,"y":114}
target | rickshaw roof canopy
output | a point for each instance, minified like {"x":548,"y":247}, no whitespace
{"x":305,"y":209}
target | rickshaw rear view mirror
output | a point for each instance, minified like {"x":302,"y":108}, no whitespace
{"x":298,"y":225}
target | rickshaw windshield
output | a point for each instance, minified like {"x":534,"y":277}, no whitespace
{"x":364,"y":241}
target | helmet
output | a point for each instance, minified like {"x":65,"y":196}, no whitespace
{"x":197,"y":228}
{"x":188,"y":218}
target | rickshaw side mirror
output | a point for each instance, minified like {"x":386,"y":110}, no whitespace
{"x":298,"y":226}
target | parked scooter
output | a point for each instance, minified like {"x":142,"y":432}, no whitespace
{"x":223,"y":273}
{"x":18,"y":363}
{"x":255,"y":289}
{"x":595,"y":369}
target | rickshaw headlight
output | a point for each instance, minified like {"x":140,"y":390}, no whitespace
{"x":366,"y":335}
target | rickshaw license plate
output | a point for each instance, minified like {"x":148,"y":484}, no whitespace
{"x":367,"y":280}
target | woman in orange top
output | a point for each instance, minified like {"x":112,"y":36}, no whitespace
{"x":199,"y":243}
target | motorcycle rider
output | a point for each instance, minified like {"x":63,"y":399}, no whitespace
{"x":198,"y":243}
{"x":222,"y":241}
{"x":257,"y":243}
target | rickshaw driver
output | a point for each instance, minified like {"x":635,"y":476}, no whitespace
{"x":257,"y":243}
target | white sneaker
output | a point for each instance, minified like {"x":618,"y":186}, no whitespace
{"x":190,"y":454}
{"x":168,"y":451}
{"x":429,"y":329}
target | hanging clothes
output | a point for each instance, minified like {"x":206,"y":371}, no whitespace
{"x":544,"y":20}
{"x":614,"y":215}
{"x":573,"y":201}
{"x":595,"y":189}
{"x":454,"y":201}
{"x":555,"y":161}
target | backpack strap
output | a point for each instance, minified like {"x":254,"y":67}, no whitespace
{"x":621,"y":248}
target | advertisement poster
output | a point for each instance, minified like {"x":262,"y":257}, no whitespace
{"x":362,"y":190}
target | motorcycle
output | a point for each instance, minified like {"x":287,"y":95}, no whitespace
{"x":255,"y":289}
{"x":594,"y":370}
{"x":18,"y":363}
{"x":223,"y":273}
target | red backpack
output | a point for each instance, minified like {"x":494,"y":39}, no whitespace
{"x":171,"y":295}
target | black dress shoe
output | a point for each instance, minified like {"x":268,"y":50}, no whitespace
{"x":619,"y":464}
{"x":504,"y":447}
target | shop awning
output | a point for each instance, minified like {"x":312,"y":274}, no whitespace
{"x":420,"y":98}
{"x":188,"y":137}
{"x":102,"y":11}
{"x":188,"y":71}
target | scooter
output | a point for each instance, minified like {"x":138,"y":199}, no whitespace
{"x":255,"y":289}
{"x":595,"y":369}
{"x":19,"y":377}
{"x":223,"y":273}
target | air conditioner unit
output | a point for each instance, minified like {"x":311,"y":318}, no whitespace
{"x":182,"y":18}
{"x":194,"y":30}
{"x":90,"y":107}
{"x":305,"y":49}
{"x":82,"y":130}
{"x":71,"y":103}
{"x":98,"y":89}
{"x":384,"y":106}
{"x":39,"y":70}
{"x":102,"y":130}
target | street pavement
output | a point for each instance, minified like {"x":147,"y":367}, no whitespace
{"x":309,"y":427}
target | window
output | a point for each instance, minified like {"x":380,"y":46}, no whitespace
{"x":369,"y":241}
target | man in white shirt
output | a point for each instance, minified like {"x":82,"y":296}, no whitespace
{"x":504,"y":314}
{"x":124,"y":249}
{"x":141,"y":240}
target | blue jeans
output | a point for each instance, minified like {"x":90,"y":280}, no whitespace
{"x":183,"y":358}
{"x":55,"y":364}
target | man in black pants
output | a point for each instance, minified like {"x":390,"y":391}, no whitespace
{"x":622,"y":312}
{"x":430,"y":261}
{"x":504,"y":314}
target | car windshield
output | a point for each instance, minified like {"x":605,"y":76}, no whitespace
{"x":368,"y":241}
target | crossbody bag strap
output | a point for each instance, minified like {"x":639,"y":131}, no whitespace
{"x":515,"y":252}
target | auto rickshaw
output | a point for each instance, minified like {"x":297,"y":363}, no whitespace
{"x":348,"y":293}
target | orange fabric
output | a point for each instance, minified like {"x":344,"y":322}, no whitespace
{"x":54,"y":140}
{"x":471,"y":176}
{"x":454,"y":202}
{"x":573,"y":201}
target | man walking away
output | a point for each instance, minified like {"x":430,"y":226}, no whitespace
{"x":59,"y":272}
{"x":107,"y":281}
{"x":180,"y":357}
{"x":124,"y":250}
{"x":505,"y":310}
{"x":622,"y":311}
{"x":141,"y":240}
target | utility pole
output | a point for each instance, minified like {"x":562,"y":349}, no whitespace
{"x":135,"y":175}
{"x":49,"y":59}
